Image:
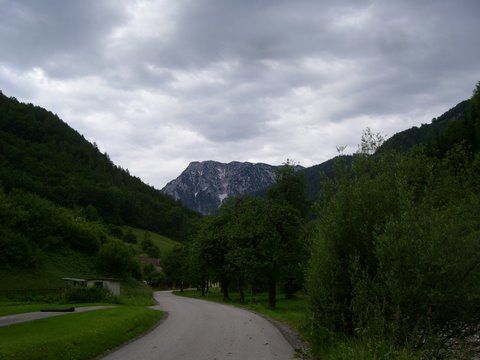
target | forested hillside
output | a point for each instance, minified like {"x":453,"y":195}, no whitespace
{"x":314,"y":175}
{"x":426,"y":133}
{"x":433,"y":135}
{"x":41,"y":154}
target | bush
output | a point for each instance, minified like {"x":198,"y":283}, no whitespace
{"x":116,"y":258}
{"x":83,"y":294}
{"x":153,"y":277}
{"x":149,"y":247}
{"x":130,"y":237}
{"x":16,"y":250}
{"x":115,"y":231}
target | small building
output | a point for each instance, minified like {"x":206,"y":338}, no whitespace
{"x":112,"y":285}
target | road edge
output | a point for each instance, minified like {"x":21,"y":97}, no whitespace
{"x":153,"y":328}
{"x":293,"y":337}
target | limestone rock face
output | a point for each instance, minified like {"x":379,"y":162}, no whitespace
{"x":203,"y":186}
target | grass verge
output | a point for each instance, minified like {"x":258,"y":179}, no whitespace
{"x":291,"y":311}
{"x":76,"y":336}
{"x":19,"y":308}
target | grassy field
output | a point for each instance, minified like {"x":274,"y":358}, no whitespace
{"x":290,"y":311}
{"x":52,"y":268}
{"x":164,"y":243}
{"x":76,"y":336}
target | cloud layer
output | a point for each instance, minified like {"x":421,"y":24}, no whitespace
{"x":158,"y":84}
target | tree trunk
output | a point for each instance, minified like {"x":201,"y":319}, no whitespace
{"x":181,"y":286}
{"x":272,"y":293}
{"x":241,"y":290}
{"x":203,"y":287}
{"x":208,"y":286}
{"x":224,"y":286}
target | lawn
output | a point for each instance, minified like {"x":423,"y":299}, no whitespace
{"x":291,"y":311}
{"x":76,"y":336}
{"x":10,"y":308}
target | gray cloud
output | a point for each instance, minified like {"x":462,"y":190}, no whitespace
{"x":158,"y":84}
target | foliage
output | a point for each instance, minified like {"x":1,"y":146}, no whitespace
{"x":153,"y":277}
{"x":135,"y":292}
{"x":149,"y":247}
{"x":84,"y":294}
{"x":29,"y":223}
{"x":289,"y":188}
{"x":115,"y":258}
{"x":130,"y":237}
{"x":175,"y":267}
{"x":395,"y":258}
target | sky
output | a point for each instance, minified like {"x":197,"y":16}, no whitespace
{"x":158,"y":84}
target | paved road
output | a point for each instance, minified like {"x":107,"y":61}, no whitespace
{"x":19,"y":318}
{"x":201,"y":330}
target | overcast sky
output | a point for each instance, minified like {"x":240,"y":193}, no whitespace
{"x":158,"y":84}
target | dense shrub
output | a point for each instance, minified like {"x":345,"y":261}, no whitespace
{"x":116,"y":258}
{"x":130,"y":237}
{"x":83,"y":294}
{"x":16,"y":250}
{"x":396,"y":253}
{"x":149,"y":247}
{"x":47,"y":225}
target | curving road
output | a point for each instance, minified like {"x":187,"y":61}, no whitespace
{"x":201,"y":330}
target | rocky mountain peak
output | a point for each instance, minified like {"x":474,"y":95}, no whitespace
{"x":204,"y":185}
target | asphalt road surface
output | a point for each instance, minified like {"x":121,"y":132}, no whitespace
{"x":201,"y":330}
{"x":36,"y":315}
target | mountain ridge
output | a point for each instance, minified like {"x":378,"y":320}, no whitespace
{"x":204,"y":185}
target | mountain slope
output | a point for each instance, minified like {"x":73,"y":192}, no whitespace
{"x":314,"y":175}
{"x":407,"y":139}
{"x":39,"y":153}
{"x":402,"y":141}
{"x":203,"y":186}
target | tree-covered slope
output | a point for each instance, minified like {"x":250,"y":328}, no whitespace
{"x":39,"y":153}
{"x":314,"y":175}
{"x":407,"y":139}
{"x":452,"y":127}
